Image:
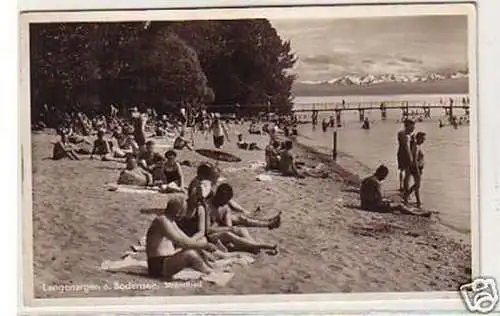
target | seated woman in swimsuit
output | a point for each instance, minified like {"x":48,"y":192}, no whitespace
{"x":134,"y":175}
{"x":152,"y":161}
{"x":220,"y":228}
{"x":63,"y":149}
{"x":173,"y":178}
{"x":101,"y":148}
{"x":180,"y":142}
{"x":273,"y":155}
{"x":169,"y":250}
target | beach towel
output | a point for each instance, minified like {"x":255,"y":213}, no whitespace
{"x":131,"y":188}
{"x":264,"y":178}
{"x":254,"y":165}
{"x":219,"y":277}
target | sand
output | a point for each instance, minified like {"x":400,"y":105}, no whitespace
{"x":327,"y":244}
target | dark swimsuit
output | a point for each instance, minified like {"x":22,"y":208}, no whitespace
{"x":155,"y":266}
{"x":172,"y":176}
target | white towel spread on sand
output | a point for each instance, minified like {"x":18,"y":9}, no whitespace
{"x":264,"y":177}
{"x":220,"y":277}
{"x":253,"y":166}
{"x":130,"y":188}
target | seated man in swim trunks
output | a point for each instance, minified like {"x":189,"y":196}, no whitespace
{"x":63,"y":149}
{"x":287,"y":161}
{"x":169,"y":250}
{"x":220,"y":228}
{"x":203,"y":186}
{"x":134,"y":175}
{"x":123,"y":143}
{"x":180,"y":142}
{"x":101,"y":147}
{"x":152,"y":161}
{"x":371,"y":194}
{"x":273,"y":155}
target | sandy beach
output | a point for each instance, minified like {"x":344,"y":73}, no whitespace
{"x":327,"y":245}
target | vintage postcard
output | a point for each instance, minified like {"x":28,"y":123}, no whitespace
{"x":256,"y":154}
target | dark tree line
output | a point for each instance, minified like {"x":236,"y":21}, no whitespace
{"x":88,"y":66}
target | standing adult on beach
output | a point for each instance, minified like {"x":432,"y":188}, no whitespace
{"x":219,"y":131}
{"x":404,"y":156}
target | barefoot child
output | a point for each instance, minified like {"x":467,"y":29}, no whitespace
{"x":417,"y":167}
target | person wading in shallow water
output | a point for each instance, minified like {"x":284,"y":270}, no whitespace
{"x":404,"y":156}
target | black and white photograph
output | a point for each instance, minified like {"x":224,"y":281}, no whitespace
{"x":262,"y":154}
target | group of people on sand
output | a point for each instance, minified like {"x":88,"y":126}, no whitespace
{"x":410,"y":159}
{"x":201,"y":226}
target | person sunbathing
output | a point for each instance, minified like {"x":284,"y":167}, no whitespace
{"x":123,"y":143}
{"x":134,"y":175}
{"x":203,"y":187}
{"x":244,"y":145}
{"x":180,"y":142}
{"x":63,"y":149}
{"x":172,"y":175}
{"x":287,"y":164}
{"x":273,"y":155}
{"x":169,"y":250}
{"x":101,"y":147}
{"x":371,"y":197}
{"x":151,"y":161}
{"x":220,"y":227}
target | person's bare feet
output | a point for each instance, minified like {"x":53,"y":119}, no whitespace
{"x":274,"y":251}
{"x":275,"y":221}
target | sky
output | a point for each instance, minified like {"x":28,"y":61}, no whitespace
{"x":328,"y":49}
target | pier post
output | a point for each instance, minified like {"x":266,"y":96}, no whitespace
{"x":450,"y":112}
{"x":334,"y":152}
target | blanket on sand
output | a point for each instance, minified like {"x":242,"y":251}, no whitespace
{"x":221,"y":276}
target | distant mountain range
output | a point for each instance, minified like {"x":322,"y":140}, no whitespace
{"x":366,"y":80}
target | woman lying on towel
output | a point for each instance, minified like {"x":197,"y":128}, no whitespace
{"x":220,"y":228}
{"x":134,"y":175}
{"x":169,"y":250}
{"x":203,"y":186}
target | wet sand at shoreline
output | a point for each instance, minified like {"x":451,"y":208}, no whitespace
{"x":327,"y":244}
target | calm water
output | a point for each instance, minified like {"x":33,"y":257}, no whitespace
{"x":446,"y":178}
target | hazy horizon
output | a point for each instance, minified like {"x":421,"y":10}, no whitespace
{"x":414,"y":45}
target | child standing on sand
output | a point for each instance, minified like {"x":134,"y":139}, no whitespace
{"x":417,"y":166}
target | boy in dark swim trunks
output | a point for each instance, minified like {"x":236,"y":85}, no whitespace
{"x":404,"y":156}
{"x":417,"y":167}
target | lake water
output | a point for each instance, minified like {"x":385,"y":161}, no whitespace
{"x":446,"y":178}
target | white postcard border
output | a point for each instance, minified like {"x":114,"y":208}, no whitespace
{"x":350,"y":302}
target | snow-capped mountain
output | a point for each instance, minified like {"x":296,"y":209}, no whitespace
{"x":355,"y":80}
